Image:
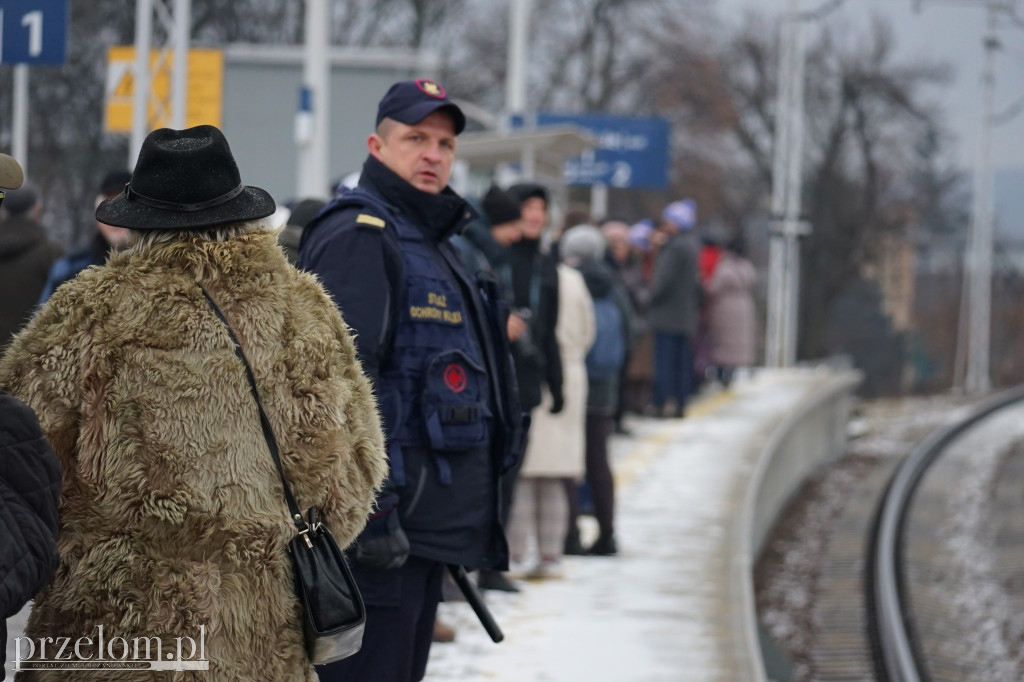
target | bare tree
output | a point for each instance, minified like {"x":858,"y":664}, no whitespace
{"x":864,"y":113}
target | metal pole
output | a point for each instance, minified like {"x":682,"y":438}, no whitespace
{"x":19,"y":120}
{"x":181,"y":40}
{"x":515,"y":81}
{"x":793,"y":194}
{"x":313,"y":180}
{"x":140,"y":103}
{"x":980,"y":281}
{"x":785,"y":132}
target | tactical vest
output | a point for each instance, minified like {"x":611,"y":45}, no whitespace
{"x":433,"y":388}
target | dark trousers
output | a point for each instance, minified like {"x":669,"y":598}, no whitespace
{"x":507,"y":485}
{"x":621,"y":403}
{"x":599,"y":478}
{"x":401,"y":605}
{"x":673,"y":368}
{"x":599,"y":472}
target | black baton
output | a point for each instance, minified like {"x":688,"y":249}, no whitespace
{"x":477,"y":602}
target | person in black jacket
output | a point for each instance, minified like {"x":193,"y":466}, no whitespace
{"x":532,"y":284}
{"x":29,"y":489}
{"x":530,"y":281}
{"x":431,"y":338}
{"x":26,"y":254}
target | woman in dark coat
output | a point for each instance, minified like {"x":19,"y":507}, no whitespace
{"x":29,"y":489}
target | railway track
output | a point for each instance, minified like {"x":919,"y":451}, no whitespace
{"x":921,"y":576}
{"x":943,"y":586}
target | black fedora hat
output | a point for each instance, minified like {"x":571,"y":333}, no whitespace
{"x":183,"y":180}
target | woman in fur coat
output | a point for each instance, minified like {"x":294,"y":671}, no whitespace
{"x":173,"y":521}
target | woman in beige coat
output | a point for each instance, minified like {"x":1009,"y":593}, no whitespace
{"x":556,"y":446}
{"x":173,"y":521}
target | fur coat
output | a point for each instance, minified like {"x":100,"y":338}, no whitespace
{"x":172,"y":514}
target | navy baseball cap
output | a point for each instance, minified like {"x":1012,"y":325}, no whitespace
{"x":410,"y":102}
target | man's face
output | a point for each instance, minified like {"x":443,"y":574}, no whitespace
{"x":535,"y":217}
{"x":507,"y":234}
{"x":116,"y":237}
{"x":421,"y":154}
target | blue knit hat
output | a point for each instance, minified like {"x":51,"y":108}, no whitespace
{"x":682,"y":214}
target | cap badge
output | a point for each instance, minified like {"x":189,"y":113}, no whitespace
{"x":431,"y":88}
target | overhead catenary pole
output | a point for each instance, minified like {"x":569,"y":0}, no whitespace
{"x":793,"y":227}
{"x":783,"y":273}
{"x":312,"y":123}
{"x":971,"y":367}
{"x":979,"y":271}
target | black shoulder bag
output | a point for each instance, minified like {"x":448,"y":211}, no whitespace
{"x":335,"y":616}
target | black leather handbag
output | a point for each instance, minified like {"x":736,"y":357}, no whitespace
{"x":335,"y":615}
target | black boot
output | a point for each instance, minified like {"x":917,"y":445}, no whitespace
{"x":573,"y":546}
{"x":489,"y":579}
{"x":604,"y":546}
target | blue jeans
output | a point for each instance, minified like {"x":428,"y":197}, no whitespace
{"x":673,"y":368}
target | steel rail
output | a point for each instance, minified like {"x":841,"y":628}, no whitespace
{"x":896,"y":657}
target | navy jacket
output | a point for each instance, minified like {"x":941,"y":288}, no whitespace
{"x":68,"y":267}
{"x":384,"y":255}
{"x":30,"y":479}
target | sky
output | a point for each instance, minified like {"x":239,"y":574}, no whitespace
{"x":950,"y":31}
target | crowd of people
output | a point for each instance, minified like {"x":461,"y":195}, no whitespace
{"x":443,"y":375}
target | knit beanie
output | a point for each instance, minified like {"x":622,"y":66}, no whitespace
{"x":500,"y":206}
{"x":682,"y":214}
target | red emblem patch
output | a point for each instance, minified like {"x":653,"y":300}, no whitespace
{"x":455,"y":378}
{"x":430,"y":88}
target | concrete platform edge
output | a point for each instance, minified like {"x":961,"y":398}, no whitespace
{"x":813,"y":433}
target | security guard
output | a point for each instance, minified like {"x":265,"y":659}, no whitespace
{"x":432,"y":339}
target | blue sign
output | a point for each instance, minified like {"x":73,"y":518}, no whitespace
{"x":630,"y":151}
{"x":33,"y":31}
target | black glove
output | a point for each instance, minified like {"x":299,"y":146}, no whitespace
{"x":557,"y":404}
{"x":382,"y":544}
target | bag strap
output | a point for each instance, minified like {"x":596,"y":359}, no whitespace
{"x":268,"y":432}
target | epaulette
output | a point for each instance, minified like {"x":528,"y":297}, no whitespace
{"x":367,"y":219}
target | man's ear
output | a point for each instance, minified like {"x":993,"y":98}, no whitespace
{"x":373,"y":143}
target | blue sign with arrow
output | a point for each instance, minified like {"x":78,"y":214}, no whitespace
{"x":630,"y":151}
{"x":33,"y":31}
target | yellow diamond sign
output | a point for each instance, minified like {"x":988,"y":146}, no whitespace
{"x":203,"y":97}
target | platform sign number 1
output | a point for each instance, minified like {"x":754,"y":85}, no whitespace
{"x":33,"y":31}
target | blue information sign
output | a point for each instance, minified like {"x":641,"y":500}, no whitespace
{"x":630,"y":151}
{"x":33,"y":31}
